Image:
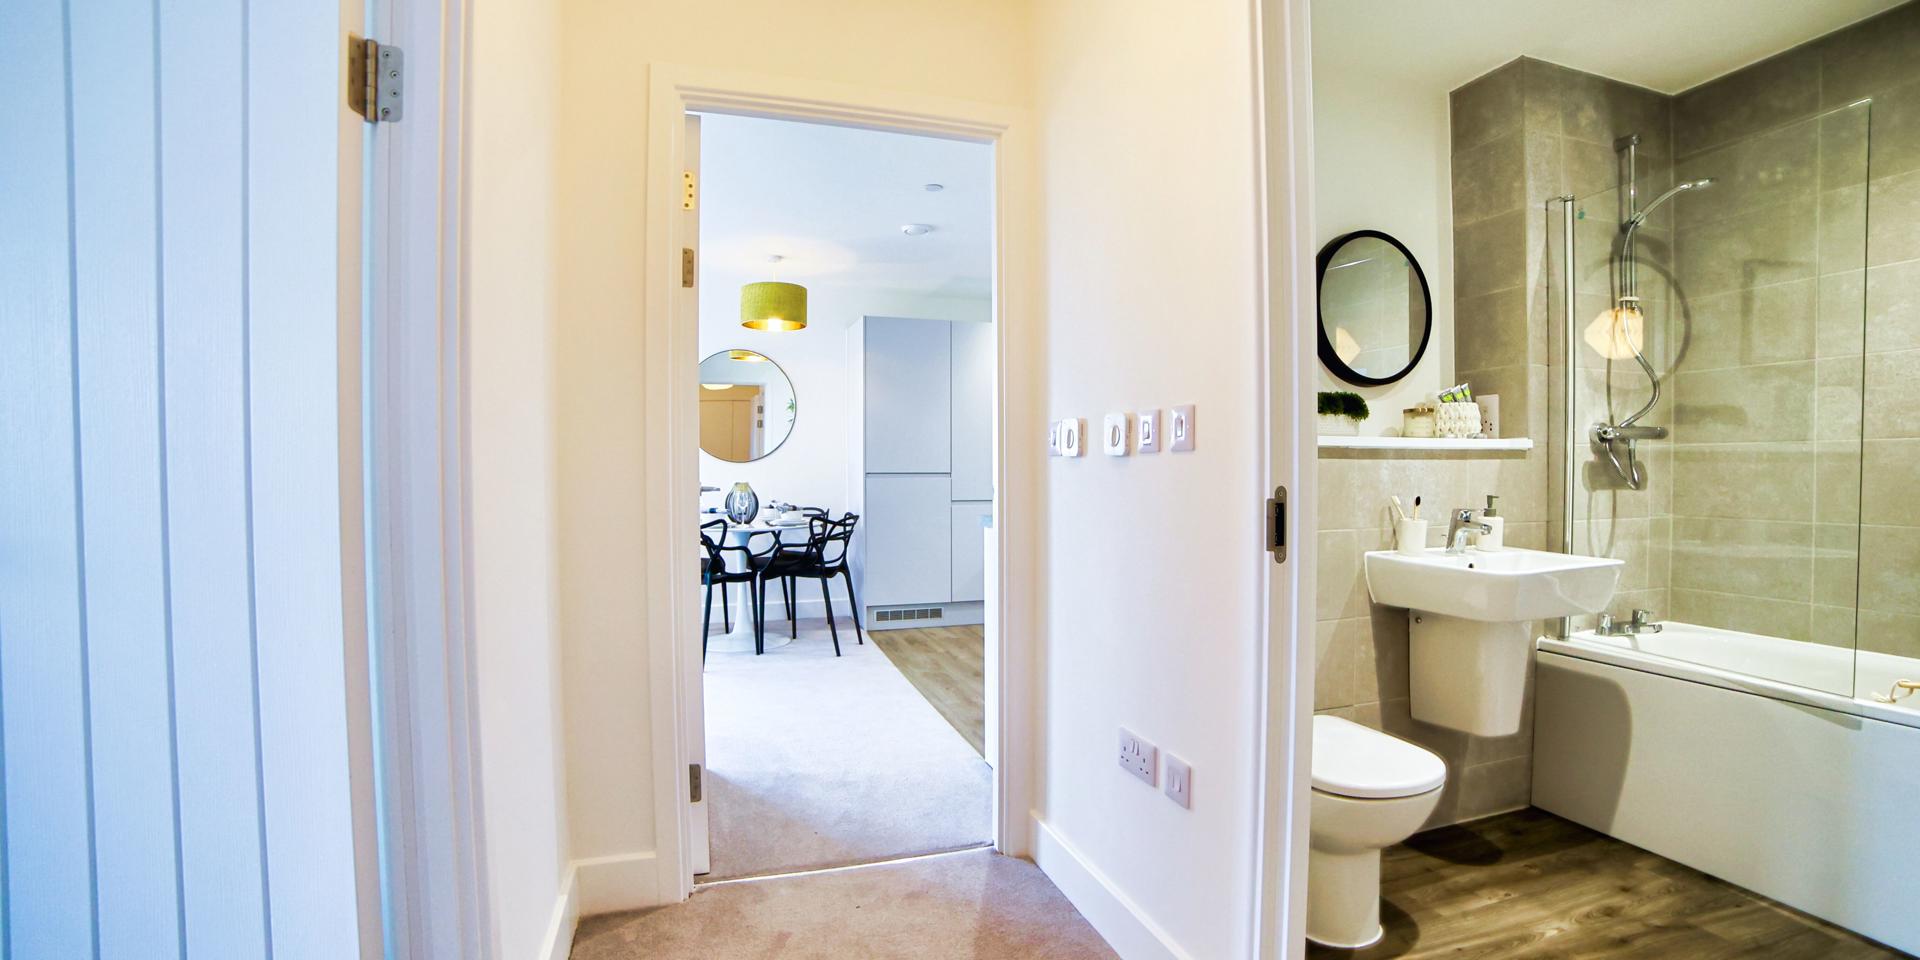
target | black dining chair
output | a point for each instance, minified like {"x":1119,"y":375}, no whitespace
{"x":822,"y":558}
{"x":714,"y":572}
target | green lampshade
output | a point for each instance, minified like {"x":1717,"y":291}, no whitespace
{"x":773,"y":306}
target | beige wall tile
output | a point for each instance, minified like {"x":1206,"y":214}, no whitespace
{"x":1892,"y":307}
{"x":1787,"y":619}
{"x":1752,"y":248}
{"x":1885,"y":632}
{"x":1491,"y":330}
{"x":1890,"y":569}
{"x":1490,"y":178}
{"x":1870,"y":56}
{"x":1890,"y":483}
{"x":1753,"y":325}
{"x":1497,"y":787}
{"x":1752,"y":558}
{"x":1893,"y":395}
{"x":1744,"y":481}
{"x":1487,"y":107}
{"x":1893,"y":232}
{"x":1836,"y":565}
{"x":1745,"y":404}
{"x":1766,"y":94}
{"x":1767,"y":169}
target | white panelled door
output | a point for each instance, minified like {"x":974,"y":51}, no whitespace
{"x":180,"y":556}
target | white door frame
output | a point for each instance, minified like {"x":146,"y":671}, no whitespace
{"x":1283,"y":99}
{"x":672,"y":426}
{"x":418,"y":507}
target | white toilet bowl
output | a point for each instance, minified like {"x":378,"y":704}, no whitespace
{"x":1370,"y":791}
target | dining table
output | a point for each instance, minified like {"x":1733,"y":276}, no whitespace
{"x":740,"y":638}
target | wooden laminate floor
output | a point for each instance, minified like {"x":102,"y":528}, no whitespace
{"x":948,"y":666}
{"x":1531,"y":885}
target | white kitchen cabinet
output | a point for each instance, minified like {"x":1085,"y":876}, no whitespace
{"x":908,"y":407}
{"x":908,"y":539}
{"x":973,"y":353}
{"x":969,"y":557}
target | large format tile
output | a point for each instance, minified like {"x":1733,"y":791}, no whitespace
{"x":1769,"y":93}
{"x":1893,"y":232}
{"x":1490,"y":254}
{"x":1889,"y":495}
{"x":1750,"y":249}
{"x":1753,"y":325}
{"x":1767,"y":169}
{"x":1893,"y":307}
{"x":1487,"y":107}
{"x":1893,"y":395}
{"x":1763,"y":616}
{"x":1757,"y":481}
{"x":1751,"y":558}
{"x":1490,"y":178}
{"x":1870,"y":56}
{"x":1745,"y":404}
{"x":1889,"y":557}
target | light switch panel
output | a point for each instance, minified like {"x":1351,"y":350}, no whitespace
{"x":1178,"y":784}
{"x":1053,"y":438}
{"x":1147,"y":429}
{"x":1073,"y":437}
{"x":1115,"y":437}
{"x":1180,"y":428}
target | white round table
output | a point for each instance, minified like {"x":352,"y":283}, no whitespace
{"x":740,"y":638}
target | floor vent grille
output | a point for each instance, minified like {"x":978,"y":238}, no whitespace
{"x":921,"y":613}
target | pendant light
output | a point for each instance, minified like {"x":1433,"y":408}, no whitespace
{"x":772,"y":305}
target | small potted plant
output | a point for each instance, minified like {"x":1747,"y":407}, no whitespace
{"x":1341,"y":413}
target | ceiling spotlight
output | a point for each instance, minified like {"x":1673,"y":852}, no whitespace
{"x":935,"y":187}
{"x":916,"y":229}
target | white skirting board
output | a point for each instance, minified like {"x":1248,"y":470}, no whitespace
{"x":1127,"y":929}
{"x":625,"y":881}
{"x":566,"y":918}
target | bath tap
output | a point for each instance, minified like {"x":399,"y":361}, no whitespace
{"x":1642,"y":622}
{"x":1460,"y":523}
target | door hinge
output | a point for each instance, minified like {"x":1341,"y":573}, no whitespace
{"x":1277,"y":524}
{"x":375,"y":72}
{"x":686,"y":266}
{"x":693,"y":783}
{"x":687,"y":190}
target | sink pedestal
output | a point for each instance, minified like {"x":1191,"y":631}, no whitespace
{"x":1468,"y":675}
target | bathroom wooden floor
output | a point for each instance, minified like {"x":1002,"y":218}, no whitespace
{"x":1531,"y":885}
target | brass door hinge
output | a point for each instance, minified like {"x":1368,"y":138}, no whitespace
{"x":687,"y":190}
{"x":1277,"y":524}
{"x":686,"y":266}
{"x":693,"y":783}
{"x":374,"y":74}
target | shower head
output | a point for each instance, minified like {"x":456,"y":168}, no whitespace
{"x":1678,"y":189}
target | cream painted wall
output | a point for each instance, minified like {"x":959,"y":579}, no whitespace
{"x":1147,"y":173}
{"x":1382,"y":161}
{"x":511,"y":316}
{"x":974,"y":51}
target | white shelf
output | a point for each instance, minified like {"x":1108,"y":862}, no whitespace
{"x":1424,"y":443}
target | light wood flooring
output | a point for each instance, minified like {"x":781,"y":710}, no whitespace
{"x":1531,"y":885}
{"x":948,"y":666}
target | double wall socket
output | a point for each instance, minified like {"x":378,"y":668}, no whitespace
{"x":1138,"y":757}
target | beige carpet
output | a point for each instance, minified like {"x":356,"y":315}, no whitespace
{"x":976,"y":905}
{"x":817,"y":761}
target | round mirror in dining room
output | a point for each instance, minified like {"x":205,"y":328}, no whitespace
{"x":1376,"y":314}
{"x":747,"y":406}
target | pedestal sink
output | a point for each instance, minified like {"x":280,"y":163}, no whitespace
{"x":1470,"y":624}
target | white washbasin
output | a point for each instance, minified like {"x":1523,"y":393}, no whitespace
{"x":1499,"y":586}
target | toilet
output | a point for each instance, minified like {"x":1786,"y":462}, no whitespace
{"x":1370,"y":791}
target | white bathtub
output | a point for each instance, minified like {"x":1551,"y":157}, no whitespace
{"x":1744,"y":757}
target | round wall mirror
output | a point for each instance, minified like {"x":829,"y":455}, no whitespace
{"x":747,"y":407}
{"x":1375,"y":312}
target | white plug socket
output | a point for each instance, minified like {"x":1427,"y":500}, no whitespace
{"x":1138,"y":757}
{"x":1117,"y":435}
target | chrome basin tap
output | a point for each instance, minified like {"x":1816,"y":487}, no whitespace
{"x":1460,"y":523}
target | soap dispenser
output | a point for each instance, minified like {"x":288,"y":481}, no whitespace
{"x":1493,"y":538}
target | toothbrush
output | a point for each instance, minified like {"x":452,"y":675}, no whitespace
{"x":1397,"y":507}
{"x":1416,"y":508}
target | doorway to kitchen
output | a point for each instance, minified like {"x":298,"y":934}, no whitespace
{"x":847,"y":358}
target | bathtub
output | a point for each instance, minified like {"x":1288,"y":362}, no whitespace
{"x":1744,"y":757}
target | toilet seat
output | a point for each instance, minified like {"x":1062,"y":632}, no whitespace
{"x":1350,"y":760}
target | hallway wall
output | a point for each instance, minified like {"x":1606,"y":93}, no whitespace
{"x":1152,"y":605}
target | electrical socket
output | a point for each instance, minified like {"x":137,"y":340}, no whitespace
{"x":1138,"y":757}
{"x":1179,"y":785}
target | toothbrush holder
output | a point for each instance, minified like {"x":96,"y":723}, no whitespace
{"x":1410,"y":537}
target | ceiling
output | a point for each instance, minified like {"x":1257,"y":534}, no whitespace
{"x":831,"y":201}
{"x":1666,"y":45}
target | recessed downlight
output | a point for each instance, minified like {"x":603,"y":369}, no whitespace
{"x":916,"y":229}
{"x":935,"y":187}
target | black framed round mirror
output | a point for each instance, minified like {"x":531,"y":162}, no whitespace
{"x":1376,"y":312}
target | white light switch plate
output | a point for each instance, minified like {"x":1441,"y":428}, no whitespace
{"x":1137,"y":756}
{"x":1180,"y":428}
{"x":1053,"y":438}
{"x":1148,"y":431}
{"x":1179,"y":785}
{"x":1116,"y":435}
{"x":1073,"y":437}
